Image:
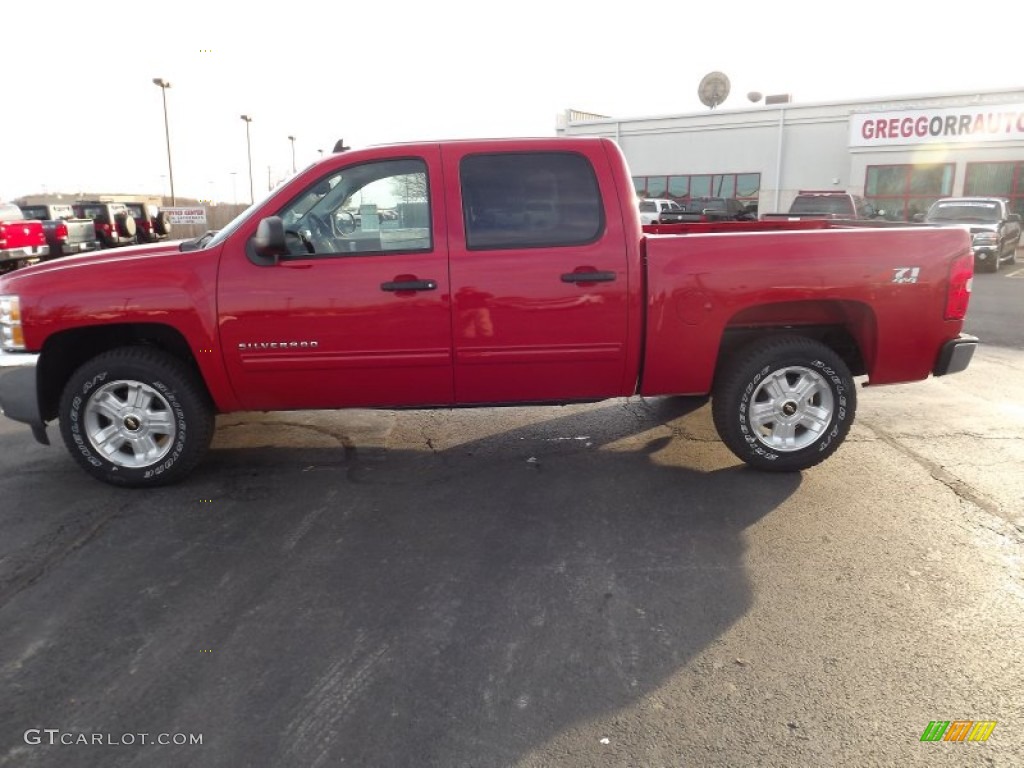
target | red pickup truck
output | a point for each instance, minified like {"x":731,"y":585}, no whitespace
{"x":515,"y":271}
{"x":22,"y":241}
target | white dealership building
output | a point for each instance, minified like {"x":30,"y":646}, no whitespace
{"x":901,"y":153}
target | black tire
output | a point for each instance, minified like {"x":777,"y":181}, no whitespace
{"x":125,"y":224}
{"x":162,"y":223}
{"x":139,"y":398}
{"x":759,"y":383}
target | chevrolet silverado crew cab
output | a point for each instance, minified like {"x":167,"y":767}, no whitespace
{"x":65,"y":232}
{"x":995,"y":231}
{"x":516,"y":272}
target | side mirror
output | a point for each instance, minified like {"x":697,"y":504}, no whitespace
{"x":918,"y":217}
{"x":1014,"y":217}
{"x":268,"y":244}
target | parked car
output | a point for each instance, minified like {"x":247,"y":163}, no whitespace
{"x":152,"y":225}
{"x":113,"y":222}
{"x":652,"y":208}
{"x":65,"y":232}
{"x":995,"y":231}
{"x":22,"y":241}
{"x":827,"y":204}
{"x":708,"y":209}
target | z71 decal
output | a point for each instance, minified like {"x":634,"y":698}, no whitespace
{"x":905,"y":274}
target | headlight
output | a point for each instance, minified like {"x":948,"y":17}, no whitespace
{"x":986,"y":238}
{"x":11,"y":335}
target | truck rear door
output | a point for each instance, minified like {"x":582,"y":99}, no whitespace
{"x":539,"y":275}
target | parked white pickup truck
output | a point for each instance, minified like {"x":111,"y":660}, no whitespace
{"x":651,"y":209}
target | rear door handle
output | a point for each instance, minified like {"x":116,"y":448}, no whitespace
{"x":588,"y":277}
{"x":409,"y":285}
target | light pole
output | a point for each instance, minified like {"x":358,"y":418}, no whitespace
{"x":321,"y":153}
{"x":292,"y":140}
{"x":164,"y":85}
{"x":248,"y":144}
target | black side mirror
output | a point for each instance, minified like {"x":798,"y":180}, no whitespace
{"x":1014,"y":217}
{"x":268,"y":244}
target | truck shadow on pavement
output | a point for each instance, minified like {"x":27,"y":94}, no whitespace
{"x":510,"y":599}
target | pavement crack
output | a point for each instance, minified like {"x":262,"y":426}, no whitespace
{"x":961,"y":488}
{"x":55,"y":553}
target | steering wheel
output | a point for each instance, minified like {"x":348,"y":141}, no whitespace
{"x":319,"y":236}
{"x":345,"y":226}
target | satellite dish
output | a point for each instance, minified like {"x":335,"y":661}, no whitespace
{"x":713,"y":89}
{"x":754,"y":96}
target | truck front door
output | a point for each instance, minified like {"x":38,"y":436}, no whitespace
{"x":539,"y":276}
{"x":358,"y":313}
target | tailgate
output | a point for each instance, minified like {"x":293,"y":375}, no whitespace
{"x":80,"y":230}
{"x":21,"y":234}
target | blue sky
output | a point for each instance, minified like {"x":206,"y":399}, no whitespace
{"x":83,"y":113}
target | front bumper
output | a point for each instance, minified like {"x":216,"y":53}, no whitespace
{"x":955,"y":355}
{"x":19,"y":393}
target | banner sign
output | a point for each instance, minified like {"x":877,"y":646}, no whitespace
{"x":192,"y":215}
{"x":949,"y":125}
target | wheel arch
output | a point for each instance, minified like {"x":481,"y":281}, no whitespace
{"x":65,"y":351}
{"x":847,"y":328}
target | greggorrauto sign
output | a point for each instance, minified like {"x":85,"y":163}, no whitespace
{"x":949,"y":125}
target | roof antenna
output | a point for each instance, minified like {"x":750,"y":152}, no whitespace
{"x":340,"y":146}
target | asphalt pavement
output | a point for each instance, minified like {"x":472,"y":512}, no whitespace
{"x":599,"y":585}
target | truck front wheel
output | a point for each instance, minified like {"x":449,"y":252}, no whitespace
{"x":136,"y":417}
{"x":784,"y":404}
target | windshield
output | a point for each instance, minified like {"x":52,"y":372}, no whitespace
{"x":964,"y":211}
{"x":236,"y":222}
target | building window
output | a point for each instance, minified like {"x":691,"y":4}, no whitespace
{"x":745,"y":187}
{"x":903,"y":191}
{"x":997,"y":180}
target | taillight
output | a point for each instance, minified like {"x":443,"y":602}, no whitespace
{"x":62,"y":231}
{"x":958,"y":295}
{"x":106,"y":227}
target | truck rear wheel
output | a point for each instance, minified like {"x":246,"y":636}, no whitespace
{"x":784,"y":404}
{"x":136,"y":417}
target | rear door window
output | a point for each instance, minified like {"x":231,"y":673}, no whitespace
{"x":530,"y":200}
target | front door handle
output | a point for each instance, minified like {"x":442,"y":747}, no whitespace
{"x":592,"y":276}
{"x":409,"y":285}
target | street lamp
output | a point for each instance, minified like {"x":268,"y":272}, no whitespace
{"x":164,"y":85}
{"x":292,"y":140}
{"x":248,"y":144}
{"x":321,"y":152}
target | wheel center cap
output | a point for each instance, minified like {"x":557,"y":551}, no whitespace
{"x":789,"y":408}
{"x":132,"y":423}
